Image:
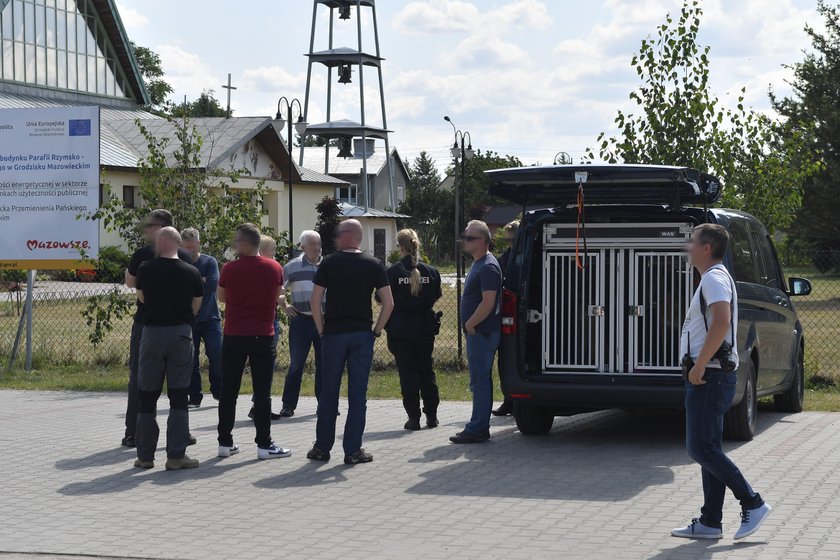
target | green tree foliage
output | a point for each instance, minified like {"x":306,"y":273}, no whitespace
{"x":476,"y":184}
{"x":175,"y":179}
{"x":329,"y":216}
{"x":428,"y":205}
{"x":152,"y":72}
{"x":813,"y":112}
{"x":681,"y":122}
{"x":432,"y":209}
{"x":205,"y":106}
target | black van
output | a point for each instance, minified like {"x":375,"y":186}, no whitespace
{"x":598,"y":286}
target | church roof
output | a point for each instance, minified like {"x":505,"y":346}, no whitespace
{"x":110,"y":17}
{"x":313,"y":158}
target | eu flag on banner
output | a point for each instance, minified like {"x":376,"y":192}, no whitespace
{"x":80,"y":127}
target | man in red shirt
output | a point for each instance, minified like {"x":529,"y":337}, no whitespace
{"x":249,"y":287}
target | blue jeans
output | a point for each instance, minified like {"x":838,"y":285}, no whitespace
{"x":211,"y":333}
{"x":355,"y":350}
{"x":302,"y":335}
{"x":705,"y":406}
{"x":481,"y":350}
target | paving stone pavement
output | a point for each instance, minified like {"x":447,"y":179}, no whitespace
{"x":608,"y":485}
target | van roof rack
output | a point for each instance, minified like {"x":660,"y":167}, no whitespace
{"x":557,"y":185}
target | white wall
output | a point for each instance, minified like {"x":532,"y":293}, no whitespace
{"x":370,"y":224}
{"x":305,"y":199}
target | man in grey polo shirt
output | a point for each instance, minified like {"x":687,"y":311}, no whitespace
{"x":300,"y":272}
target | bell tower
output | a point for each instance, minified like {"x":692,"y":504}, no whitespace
{"x":341,"y":64}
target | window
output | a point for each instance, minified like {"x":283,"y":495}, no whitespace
{"x":743,"y":258}
{"x":129,"y":192}
{"x":768,"y":269}
{"x":348,"y":194}
{"x":58,"y":44}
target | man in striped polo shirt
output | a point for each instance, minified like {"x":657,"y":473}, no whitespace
{"x":297,"y":291}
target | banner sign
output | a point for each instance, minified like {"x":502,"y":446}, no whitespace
{"x":49,"y":175}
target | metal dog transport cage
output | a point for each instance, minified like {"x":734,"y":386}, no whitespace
{"x":618,"y":308}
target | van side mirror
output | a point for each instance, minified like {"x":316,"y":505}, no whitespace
{"x":799,"y":287}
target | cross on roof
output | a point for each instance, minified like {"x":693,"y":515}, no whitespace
{"x":228,"y":87}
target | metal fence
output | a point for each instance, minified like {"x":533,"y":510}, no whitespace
{"x":62,"y":335}
{"x":64,"y":321}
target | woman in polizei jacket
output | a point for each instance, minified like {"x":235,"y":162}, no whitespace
{"x":411,"y":329}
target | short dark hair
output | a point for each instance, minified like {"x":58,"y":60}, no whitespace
{"x":251,"y":233}
{"x":714,"y":235}
{"x":160,"y":217}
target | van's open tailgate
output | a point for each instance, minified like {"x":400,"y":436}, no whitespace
{"x":557,"y":185}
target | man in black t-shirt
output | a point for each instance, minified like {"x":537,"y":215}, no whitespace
{"x":349,"y":278}
{"x":171,"y":291}
{"x":156,"y":220}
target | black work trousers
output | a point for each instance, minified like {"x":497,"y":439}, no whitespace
{"x":413,"y":354}
{"x":259,"y":352}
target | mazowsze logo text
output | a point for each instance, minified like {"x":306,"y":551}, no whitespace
{"x":33,"y":244}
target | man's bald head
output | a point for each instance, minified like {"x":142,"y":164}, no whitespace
{"x":349,"y":235}
{"x":167,"y":242}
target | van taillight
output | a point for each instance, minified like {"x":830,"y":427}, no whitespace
{"x":509,"y":320}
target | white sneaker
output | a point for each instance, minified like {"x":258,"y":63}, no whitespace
{"x":227,"y":451}
{"x":273,"y":452}
{"x":697,"y":530}
{"x":751,"y":520}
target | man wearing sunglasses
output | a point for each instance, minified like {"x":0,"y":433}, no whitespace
{"x":153,"y":223}
{"x":481,"y":317}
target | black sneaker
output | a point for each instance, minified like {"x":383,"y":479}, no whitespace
{"x":191,"y":440}
{"x":251,"y":413}
{"x":128,"y":441}
{"x":360,"y":456}
{"x":216,"y":396}
{"x":286,"y":412}
{"x":505,"y":409}
{"x":276,"y":416}
{"x":413,"y":424}
{"x":469,"y":437}
{"x":317,"y":454}
{"x":194,"y":402}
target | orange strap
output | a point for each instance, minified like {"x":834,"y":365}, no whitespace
{"x":581,"y":228}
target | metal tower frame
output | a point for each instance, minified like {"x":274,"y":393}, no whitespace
{"x":337,"y":57}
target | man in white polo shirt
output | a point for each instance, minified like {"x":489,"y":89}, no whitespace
{"x":709,"y":346}
{"x":300,"y":272}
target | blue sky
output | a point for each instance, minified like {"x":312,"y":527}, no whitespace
{"x":525,"y":77}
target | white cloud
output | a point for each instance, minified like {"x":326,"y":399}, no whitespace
{"x":435,"y":16}
{"x":131,"y":18}
{"x":273,"y":79}
{"x":187,"y":73}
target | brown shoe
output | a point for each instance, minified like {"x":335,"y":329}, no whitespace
{"x":138,"y":464}
{"x":182,"y":463}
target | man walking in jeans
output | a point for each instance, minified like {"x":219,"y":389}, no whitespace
{"x":249,"y":286}
{"x":171,"y":292}
{"x":480,"y":314}
{"x":349,"y":278}
{"x":208,"y":322}
{"x":709,"y":346}
{"x":299,"y":275}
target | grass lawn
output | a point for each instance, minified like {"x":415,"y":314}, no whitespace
{"x":454,"y":386}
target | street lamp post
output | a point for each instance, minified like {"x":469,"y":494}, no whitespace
{"x":461,"y":151}
{"x":284,"y":105}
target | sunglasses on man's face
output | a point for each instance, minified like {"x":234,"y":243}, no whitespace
{"x":470,"y":238}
